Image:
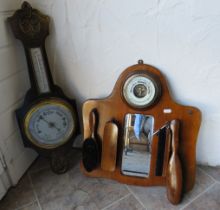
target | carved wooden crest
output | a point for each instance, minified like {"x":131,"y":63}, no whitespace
{"x":29,"y":25}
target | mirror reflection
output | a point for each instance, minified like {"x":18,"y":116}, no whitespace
{"x":138,"y":132}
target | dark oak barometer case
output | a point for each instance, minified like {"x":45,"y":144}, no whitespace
{"x":139,"y":135}
{"x":48,"y":119}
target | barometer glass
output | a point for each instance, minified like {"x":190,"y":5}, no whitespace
{"x":49,"y":124}
{"x":140,"y":90}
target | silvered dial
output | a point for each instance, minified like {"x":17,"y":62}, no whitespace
{"x":140,"y":90}
{"x":49,"y":124}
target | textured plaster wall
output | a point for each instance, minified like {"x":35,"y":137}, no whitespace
{"x":92,"y":42}
{"x":13,"y":85}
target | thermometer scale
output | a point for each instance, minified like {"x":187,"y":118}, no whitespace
{"x":40,"y":70}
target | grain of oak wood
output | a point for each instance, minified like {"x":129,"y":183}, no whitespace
{"x":174,"y":169}
{"x":109,"y":147}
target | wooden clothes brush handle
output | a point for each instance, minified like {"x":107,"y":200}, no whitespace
{"x":92,"y":123}
{"x":174,"y":171}
{"x":109,"y":147}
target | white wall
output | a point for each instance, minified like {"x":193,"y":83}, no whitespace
{"x":13,"y":85}
{"x":92,"y":42}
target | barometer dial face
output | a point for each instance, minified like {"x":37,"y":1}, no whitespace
{"x":141,"y":90}
{"x":50,"y":124}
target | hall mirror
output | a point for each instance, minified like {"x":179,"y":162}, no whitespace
{"x":144,"y":137}
{"x":136,"y":156}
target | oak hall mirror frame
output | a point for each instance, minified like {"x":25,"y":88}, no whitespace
{"x":112,"y":112}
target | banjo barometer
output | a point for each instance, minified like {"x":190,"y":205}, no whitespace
{"x":48,"y":120}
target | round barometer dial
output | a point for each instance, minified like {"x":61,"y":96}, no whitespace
{"x":141,"y":90}
{"x":50,"y":124}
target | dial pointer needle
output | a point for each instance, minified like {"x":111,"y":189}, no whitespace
{"x":42,"y":118}
{"x":50,"y":124}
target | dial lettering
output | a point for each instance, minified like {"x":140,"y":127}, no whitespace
{"x":139,"y":91}
{"x":51,"y":124}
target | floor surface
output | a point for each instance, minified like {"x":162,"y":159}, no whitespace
{"x":40,"y":189}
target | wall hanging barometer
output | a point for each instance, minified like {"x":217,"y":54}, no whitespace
{"x":48,"y":119}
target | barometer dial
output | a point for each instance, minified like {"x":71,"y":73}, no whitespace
{"x":50,"y":124}
{"x":141,"y":90}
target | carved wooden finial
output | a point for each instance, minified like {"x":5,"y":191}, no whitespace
{"x":29,"y":25}
{"x":27,"y":9}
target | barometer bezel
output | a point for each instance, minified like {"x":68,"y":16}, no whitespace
{"x":36,"y":107}
{"x":155,"y":82}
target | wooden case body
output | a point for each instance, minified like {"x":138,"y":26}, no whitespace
{"x":31,"y":27}
{"x":115,"y":108}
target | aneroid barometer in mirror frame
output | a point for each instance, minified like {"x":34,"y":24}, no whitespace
{"x":146,"y":137}
{"x":48,"y":120}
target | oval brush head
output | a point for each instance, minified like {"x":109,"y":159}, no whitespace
{"x":90,"y":154}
